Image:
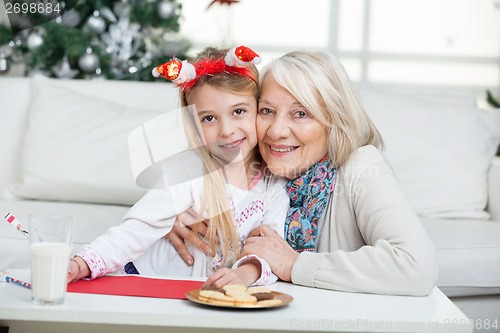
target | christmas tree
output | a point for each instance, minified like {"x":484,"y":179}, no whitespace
{"x":113,"y":39}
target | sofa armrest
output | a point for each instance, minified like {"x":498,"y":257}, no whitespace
{"x":494,"y":189}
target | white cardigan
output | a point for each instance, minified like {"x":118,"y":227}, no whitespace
{"x":370,"y":239}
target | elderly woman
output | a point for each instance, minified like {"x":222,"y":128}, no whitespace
{"x":349,"y":226}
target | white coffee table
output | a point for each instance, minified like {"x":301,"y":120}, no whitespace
{"x":312,"y":310}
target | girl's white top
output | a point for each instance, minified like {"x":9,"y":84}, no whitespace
{"x":140,"y":237}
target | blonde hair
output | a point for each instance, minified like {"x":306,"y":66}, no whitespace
{"x":215,"y":199}
{"x":319,"y":82}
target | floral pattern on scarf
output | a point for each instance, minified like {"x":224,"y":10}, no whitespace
{"x":309,"y":195}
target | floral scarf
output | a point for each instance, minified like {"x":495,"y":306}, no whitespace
{"x":309,"y":195}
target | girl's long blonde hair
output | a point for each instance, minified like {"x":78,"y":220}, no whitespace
{"x":215,"y":201}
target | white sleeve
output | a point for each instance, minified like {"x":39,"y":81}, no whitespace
{"x":150,"y":219}
{"x":266,"y":275}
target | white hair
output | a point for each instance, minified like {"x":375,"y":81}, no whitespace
{"x":319,"y":82}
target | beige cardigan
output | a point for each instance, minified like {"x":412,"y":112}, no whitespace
{"x":369,"y":238}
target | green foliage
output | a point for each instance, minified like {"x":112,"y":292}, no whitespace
{"x":6,"y":35}
{"x":60,"y":40}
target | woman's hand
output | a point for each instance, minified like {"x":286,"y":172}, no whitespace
{"x":182,"y":232}
{"x":78,"y":269}
{"x":265,"y":243}
{"x":244,"y":275}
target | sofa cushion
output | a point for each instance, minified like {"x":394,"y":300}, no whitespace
{"x":440,"y":147}
{"x":15,"y":94}
{"x":91,"y":220}
{"x":468,"y":253}
{"x":76,"y":148}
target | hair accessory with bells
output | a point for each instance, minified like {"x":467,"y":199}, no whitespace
{"x":242,"y":56}
{"x":185,"y":74}
{"x":176,"y":70}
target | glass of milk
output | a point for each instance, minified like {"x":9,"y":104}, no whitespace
{"x":50,"y":248}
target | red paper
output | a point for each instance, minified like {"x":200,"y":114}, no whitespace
{"x":132,"y":285}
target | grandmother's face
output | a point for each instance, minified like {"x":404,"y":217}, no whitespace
{"x":290,"y":139}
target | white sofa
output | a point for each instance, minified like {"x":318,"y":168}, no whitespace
{"x":63,"y":146}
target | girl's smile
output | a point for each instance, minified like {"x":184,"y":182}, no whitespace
{"x":232,"y":145}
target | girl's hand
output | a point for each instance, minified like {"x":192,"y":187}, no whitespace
{"x":244,"y":275}
{"x":268,"y":245}
{"x":78,"y":269}
{"x":182,"y":232}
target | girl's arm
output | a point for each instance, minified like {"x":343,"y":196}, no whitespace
{"x":145,"y":223}
{"x":245,"y":275}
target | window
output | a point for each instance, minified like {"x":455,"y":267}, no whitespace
{"x":410,"y":42}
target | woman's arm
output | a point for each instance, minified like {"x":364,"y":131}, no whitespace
{"x":267,"y":244}
{"x":276,"y":203}
{"x":393,"y":254}
{"x":181,"y":233}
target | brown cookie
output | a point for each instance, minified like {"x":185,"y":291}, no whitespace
{"x":263,"y":296}
{"x":213,"y":288}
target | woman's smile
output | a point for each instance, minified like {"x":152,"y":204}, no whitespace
{"x":282,"y":149}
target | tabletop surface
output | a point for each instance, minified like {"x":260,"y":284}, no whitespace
{"x":311,"y":310}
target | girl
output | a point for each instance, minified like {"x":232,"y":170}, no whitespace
{"x":236,"y":194}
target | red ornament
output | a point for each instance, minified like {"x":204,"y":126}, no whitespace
{"x":245,"y":54}
{"x":171,"y":69}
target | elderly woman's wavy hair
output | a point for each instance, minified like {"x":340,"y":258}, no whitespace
{"x":319,"y":82}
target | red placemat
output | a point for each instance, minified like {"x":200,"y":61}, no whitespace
{"x":130,"y":285}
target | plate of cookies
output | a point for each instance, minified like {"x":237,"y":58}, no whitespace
{"x":239,"y":296}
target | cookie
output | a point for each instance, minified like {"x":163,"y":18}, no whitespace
{"x":263,"y":296}
{"x":238,"y":295}
{"x":244,"y":299}
{"x":213,"y":288}
{"x":217,"y":302}
{"x":258,"y":289}
{"x":211,"y":295}
{"x":233,"y":289}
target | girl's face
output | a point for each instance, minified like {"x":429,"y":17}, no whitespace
{"x":227,"y":121}
{"x":290,"y":139}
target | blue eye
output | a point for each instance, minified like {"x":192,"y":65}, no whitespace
{"x":300,"y":114}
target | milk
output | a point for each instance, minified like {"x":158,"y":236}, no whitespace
{"x":49,"y":272}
